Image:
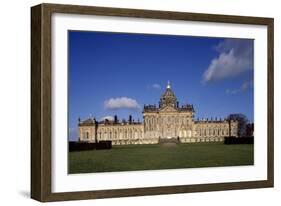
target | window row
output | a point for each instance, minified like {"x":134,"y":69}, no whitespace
{"x":212,"y":132}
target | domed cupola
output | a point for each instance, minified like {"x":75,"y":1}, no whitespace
{"x":168,"y":98}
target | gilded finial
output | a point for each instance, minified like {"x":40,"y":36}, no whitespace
{"x":168,"y":86}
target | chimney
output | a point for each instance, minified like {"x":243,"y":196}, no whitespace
{"x":115,"y":119}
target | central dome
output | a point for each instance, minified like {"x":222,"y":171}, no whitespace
{"x":168,"y":98}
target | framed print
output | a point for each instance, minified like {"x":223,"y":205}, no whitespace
{"x":130,"y":102}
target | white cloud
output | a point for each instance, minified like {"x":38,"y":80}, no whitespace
{"x":156,"y":86}
{"x":121,"y":103}
{"x":243,"y":87}
{"x":232,"y":91}
{"x":235,"y":57}
{"x":247,"y":84}
{"x":110,"y":118}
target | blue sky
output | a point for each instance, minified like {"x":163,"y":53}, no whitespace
{"x":117,"y":73}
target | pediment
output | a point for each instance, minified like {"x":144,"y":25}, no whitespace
{"x":168,"y":109}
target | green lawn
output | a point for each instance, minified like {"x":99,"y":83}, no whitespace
{"x":150,"y":157}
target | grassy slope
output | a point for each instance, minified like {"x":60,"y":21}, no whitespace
{"x":148,"y":157}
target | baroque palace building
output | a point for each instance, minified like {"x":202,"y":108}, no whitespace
{"x":167,"y":121}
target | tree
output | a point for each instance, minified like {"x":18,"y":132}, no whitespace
{"x":242,"y":122}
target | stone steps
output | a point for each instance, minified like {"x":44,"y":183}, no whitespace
{"x":169,"y":141}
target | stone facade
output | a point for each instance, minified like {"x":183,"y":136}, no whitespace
{"x":165,"y":121}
